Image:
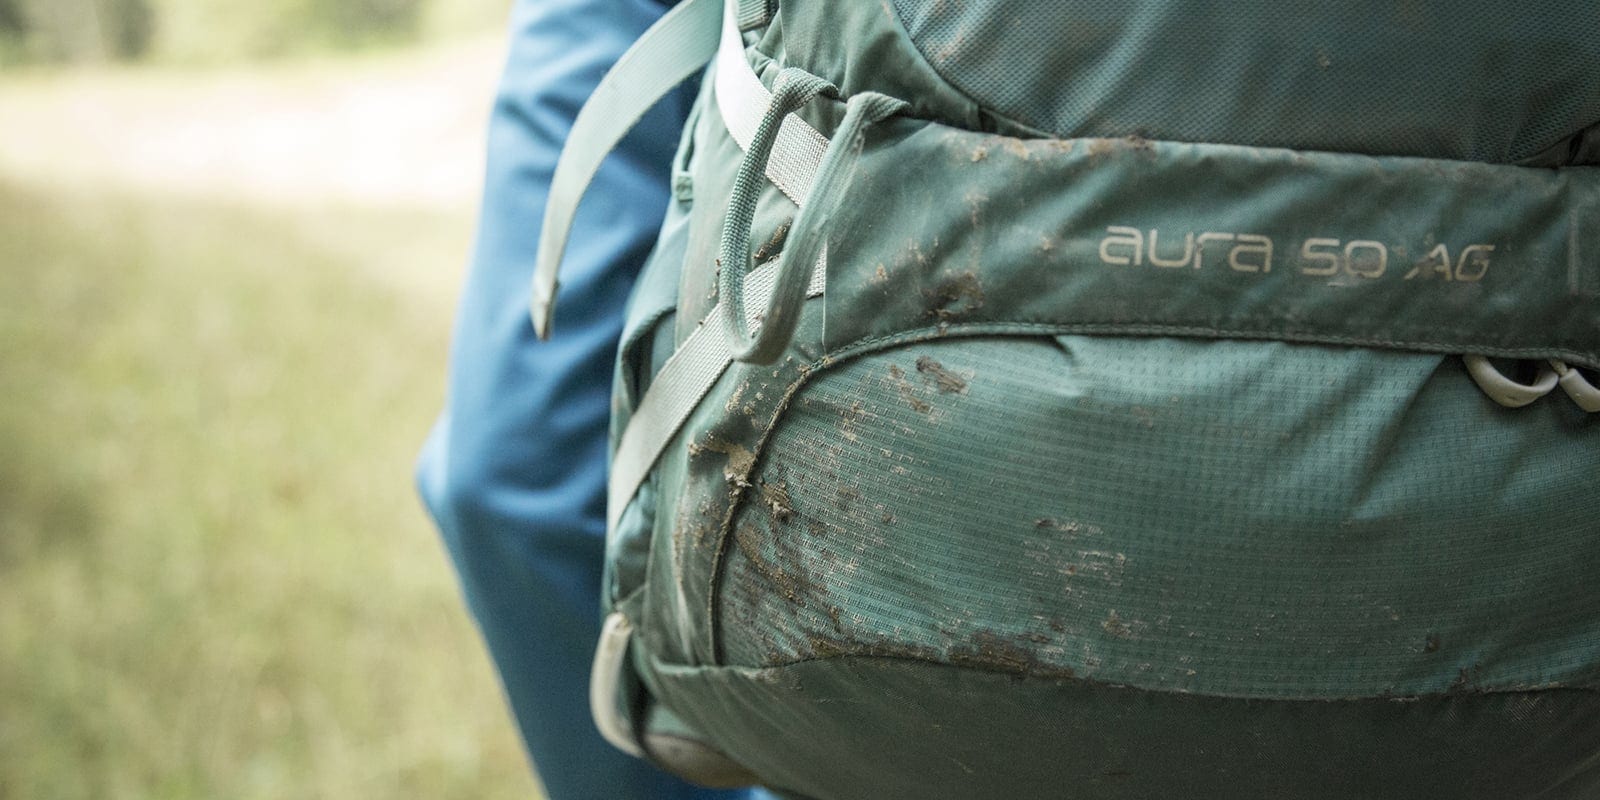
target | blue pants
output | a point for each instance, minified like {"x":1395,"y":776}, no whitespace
{"x":514,"y":471}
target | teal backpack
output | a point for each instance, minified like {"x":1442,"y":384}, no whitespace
{"x":1078,"y":399}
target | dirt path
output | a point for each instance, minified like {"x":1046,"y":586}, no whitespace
{"x":396,"y":130}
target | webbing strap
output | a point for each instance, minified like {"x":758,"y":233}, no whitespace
{"x":754,"y":14}
{"x":686,"y":377}
{"x":742,"y":99}
{"x":672,"y":50}
{"x":678,"y":388}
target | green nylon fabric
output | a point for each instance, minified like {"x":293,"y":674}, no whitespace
{"x":1219,"y":518}
{"x":1418,"y":78}
{"x":1013,"y":518}
{"x":859,"y":728}
{"x":1426,"y":78}
{"x":832,"y":729}
{"x":1134,"y":236}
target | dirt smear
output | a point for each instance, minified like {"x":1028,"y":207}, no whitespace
{"x":740,"y":460}
{"x":908,"y":392}
{"x":944,"y":380}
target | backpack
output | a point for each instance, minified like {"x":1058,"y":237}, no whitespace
{"x":1043,"y":398}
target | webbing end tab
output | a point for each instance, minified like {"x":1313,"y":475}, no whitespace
{"x":543,"y":308}
{"x":752,"y":14}
{"x":674,"y":49}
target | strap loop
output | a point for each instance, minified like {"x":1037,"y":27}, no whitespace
{"x":794,"y":88}
{"x":605,"y":682}
{"x":1504,"y":390}
{"x":808,"y":236}
{"x":1577,"y":386}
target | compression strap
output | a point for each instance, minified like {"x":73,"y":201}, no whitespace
{"x":674,"y":49}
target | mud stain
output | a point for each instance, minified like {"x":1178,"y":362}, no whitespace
{"x":776,"y":497}
{"x":1103,"y":148}
{"x":1062,"y":552}
{"x":1017,"y":148}
{"x":944,"y":380}
{"x":848,"y":498}
{"x":908,"y":392}
{"x":740,"y":459}
{"x":956,"y":296}
{"x":736,"y":400}
{"x":976,"y":202}
{"x":1115,"y":626}
{"x":985,"y":650}
{"x":1071,"y":527}
{"x":993,"y":651}
{"x":849,"y":418}
{"x":794,"y":586}
{"x":774,"y":243}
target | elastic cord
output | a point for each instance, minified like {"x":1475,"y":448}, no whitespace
{"x":808,"y":235}
{"x":793,"y":89}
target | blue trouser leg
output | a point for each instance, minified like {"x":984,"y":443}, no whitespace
{"x":514,"y":471}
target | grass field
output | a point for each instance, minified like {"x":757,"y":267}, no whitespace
{"x":214,"y":579}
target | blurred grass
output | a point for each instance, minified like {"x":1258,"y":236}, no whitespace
{"x":214,"y":579}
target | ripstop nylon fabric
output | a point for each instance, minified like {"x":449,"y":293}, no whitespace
{"x":1195,"y":554}
{"x":1424,"y":79}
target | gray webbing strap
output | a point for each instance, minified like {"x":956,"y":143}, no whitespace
{"x":743,"y":98}
{"x":704,"y":356}
{"x":754,"y":14}
{"x":678,"y":389}
{"x":672,"y":50}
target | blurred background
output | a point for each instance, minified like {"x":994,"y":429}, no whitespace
{"x":231,"y":236}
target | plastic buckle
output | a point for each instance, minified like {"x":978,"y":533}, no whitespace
{"x":1576,"y":386}
{"x":1506,"y":391}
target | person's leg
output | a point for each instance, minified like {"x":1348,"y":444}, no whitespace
{"x":514,"y":471}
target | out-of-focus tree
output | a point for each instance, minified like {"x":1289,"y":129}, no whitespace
{"x":13,"y":30}
{"x":130,"y":25}
{"x":208,"y":31}
{"x":357,"y":21}
{"x":11,"y":21}
{"x":74,"y":30}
